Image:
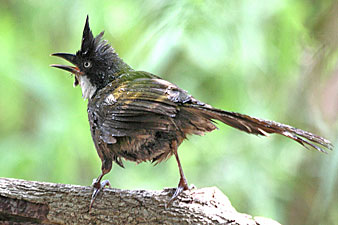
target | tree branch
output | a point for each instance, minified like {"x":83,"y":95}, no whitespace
{"x":48,"y":203}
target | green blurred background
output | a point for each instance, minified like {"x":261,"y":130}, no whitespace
{"x":270,"y":59}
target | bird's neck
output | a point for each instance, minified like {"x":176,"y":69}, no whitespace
{"x":117,"y":67}
{"x":90,"y":86}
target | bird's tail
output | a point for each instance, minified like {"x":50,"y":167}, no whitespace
{"x":258,"y":126}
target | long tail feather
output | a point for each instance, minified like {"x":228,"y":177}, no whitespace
{"x":258,"y":126}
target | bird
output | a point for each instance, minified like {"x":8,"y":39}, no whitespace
{"x":138,"y":116}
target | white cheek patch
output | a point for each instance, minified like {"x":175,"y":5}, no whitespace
{"x":87,"y":88}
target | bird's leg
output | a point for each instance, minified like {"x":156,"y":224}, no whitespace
{"x":97,"y":184}
{"x":182,"y":185}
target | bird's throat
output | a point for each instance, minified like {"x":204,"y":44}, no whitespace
{"x":88,"y":89}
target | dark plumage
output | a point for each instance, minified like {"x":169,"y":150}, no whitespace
{"x":137,"y":116}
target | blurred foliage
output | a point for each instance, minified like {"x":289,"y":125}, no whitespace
{"x":271,"y":59}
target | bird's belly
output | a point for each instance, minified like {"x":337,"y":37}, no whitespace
{"x":154,"y":146}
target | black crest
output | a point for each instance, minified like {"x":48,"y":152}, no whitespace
{"x":87,"y":38}
{"x":97,"y":47}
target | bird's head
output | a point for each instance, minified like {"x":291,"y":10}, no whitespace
{"x":95,"y":64}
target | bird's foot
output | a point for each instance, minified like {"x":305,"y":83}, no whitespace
{"x":182,"y":186}
{"x":98,"y":186}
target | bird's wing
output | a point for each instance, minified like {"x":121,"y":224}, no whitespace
{"x":132,"y":105}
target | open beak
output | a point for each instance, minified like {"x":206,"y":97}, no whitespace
{"x":73,"y":69}
{"x":70,"y":58}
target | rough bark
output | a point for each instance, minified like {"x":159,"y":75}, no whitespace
{"x":31,"y":202}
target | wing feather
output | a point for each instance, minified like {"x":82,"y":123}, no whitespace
{"x":134,"y":105}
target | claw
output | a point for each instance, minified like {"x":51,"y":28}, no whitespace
{"x":97,"y":188}
{"x":182,"y":186}
{"x":178,"y":191}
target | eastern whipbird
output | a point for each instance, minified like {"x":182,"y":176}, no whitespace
{"x":138,"y":116}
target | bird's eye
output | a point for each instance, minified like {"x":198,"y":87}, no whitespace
{"x":87,"y":64}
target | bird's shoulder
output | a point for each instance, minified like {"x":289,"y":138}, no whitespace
{"x":140,"y":86}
